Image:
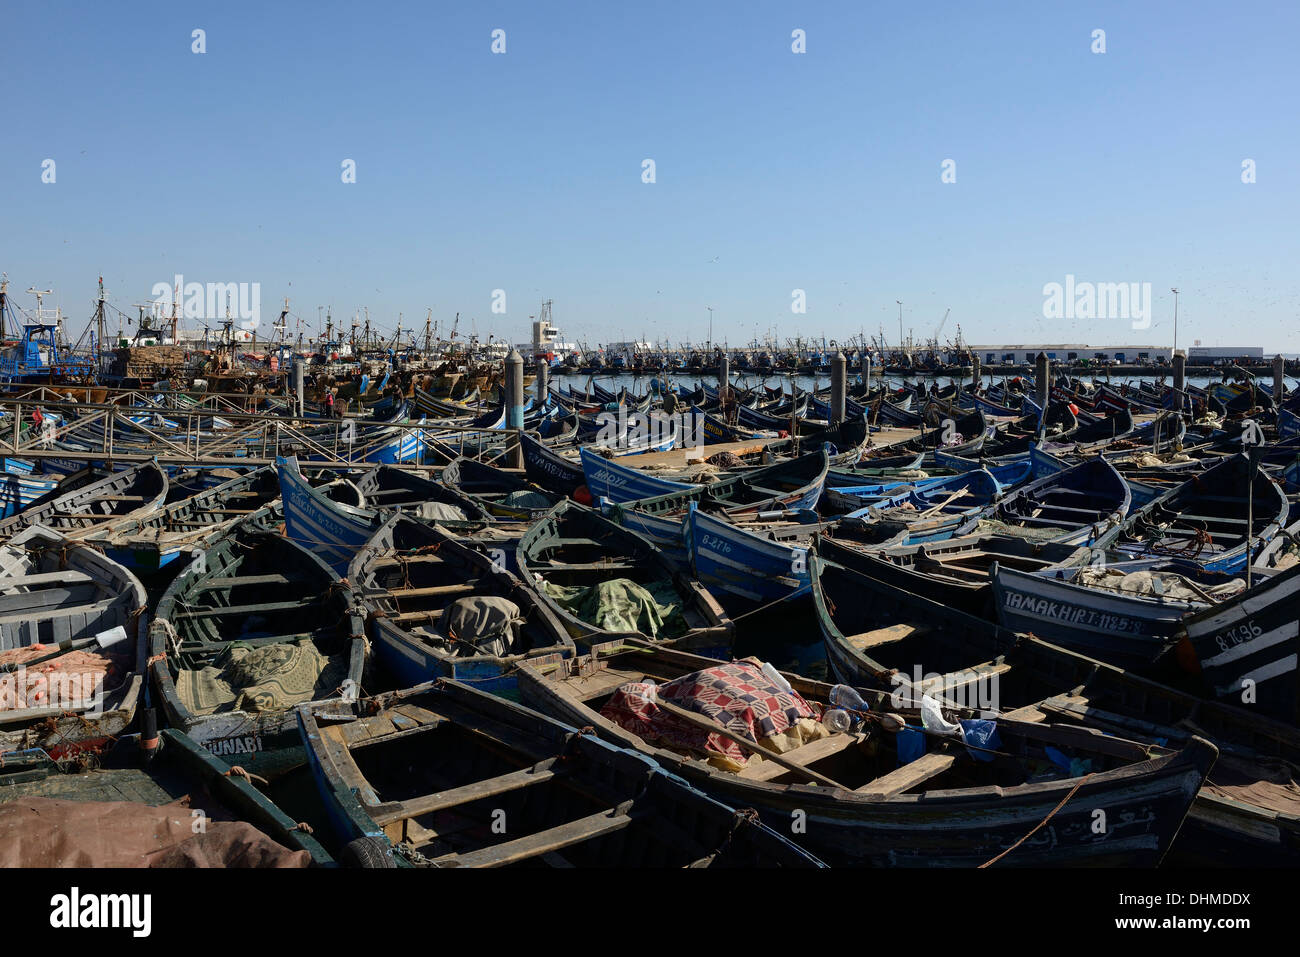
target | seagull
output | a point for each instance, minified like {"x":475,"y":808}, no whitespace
{"x":714,"y":259}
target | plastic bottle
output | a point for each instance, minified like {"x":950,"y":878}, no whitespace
{"x":776,"y":678}
{"x":838,"y":721}
{"x":842,"y":696}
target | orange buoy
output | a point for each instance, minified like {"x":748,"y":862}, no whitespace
{"x":582,"y":495}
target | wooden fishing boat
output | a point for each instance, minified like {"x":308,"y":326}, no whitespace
{"x":868,"y":470}
{"x":548,"y":469}
{"x":436,"y":608}
{"x":72,"y":645}
{"x":335,"y":520}
{"x":934,"y":511}
{"x":1076,"y":507}
{"x":582,"y":564}
{"x":1128,"y":613}
{"x":388,"y":488}
{"x":955,"y":571}
{"x":254,"y":626}
{"x":791,"y":485}
{"x":327,"y":528}
{"x":18,"y":490}
{"x":186,"y":808}
{"x":1247,"y":647}
{"x":442,"y":775}
{"x":99,"y":506}
{"x":154,"y":541}
{"x":880,"y":636}
{"x":745,"y":561}
{"x":500,"y":493}
{"x":874,"y":800}
{"x":1220,"y":518}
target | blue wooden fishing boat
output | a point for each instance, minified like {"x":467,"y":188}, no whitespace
{"x":616,"y":482}
{"x":104,"y":504}
{"x":791,"y":485}
{"x":1076,"y":507}
{"x":605,"y":582}
{"x":867,"y":801}
{"x":936,"y":511}
{"x":1221,"y":518}
{"x":332,"y":530}
{"x":20,"y":489}
{"x":438,"y":609}
{"x":152,"y":542}
{"x":744,"y":562}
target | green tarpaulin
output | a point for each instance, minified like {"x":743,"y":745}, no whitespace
{"x":621,"y":604}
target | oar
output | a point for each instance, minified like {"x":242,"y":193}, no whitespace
{"x":691,"y":717}
{"x":951,"y":498}
{"x":105,"y":639}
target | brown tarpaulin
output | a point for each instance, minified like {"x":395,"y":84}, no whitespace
{"x":45,"y":832}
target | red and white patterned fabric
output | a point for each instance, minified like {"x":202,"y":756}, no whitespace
{"x":738,"y":696}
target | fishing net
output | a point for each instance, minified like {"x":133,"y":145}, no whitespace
{"x":527,"y":499}
{"x":1159,"y":584}
{"x":992,"y":526}
{"x":440,"y":512}
{"x":70,"y":682}
{"x":737,"y":696}
{"x":621,"y":605}
{"x":269,"y":678}
{"x":483,"y":625}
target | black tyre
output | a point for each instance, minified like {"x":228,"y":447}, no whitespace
{"x":367,"y":852}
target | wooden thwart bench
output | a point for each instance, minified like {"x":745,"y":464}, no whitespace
{"x":810,"y":753}
{"x":909,"y":775}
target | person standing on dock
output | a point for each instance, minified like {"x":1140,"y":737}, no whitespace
{"x":329,"y":404}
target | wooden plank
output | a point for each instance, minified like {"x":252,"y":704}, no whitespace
{"x":390,"y":813}
{"x":406,"y":560}
{"x":430,"y":614}
{"x":550,"y":840}
{"x":809,"y":753}
{"x":245,"y":580}
{"x":909,"y":775}
{"x":249,"y":609}
{"x":888,"y":635}
{"x":430,"y":591}
{"x":956,"y":681}
{"x":604,"y":566}
{"x":69,"y":576}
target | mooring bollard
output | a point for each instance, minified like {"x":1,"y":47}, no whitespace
{"x":839,"y":385}
{"x":515,"y":404}
{"x":543,"y":374}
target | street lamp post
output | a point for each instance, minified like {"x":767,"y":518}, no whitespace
{"x":1175,"y":292}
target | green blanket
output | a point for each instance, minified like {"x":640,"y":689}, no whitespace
{"x":262,"y":679}
{"x":620,"y":604}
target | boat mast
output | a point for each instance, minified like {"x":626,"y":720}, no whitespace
{"x":99,"y":328}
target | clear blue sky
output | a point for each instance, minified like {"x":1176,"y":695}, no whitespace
{"x":775,"y":171}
